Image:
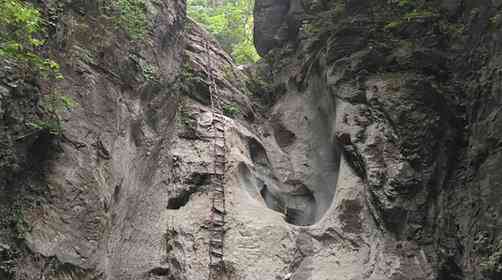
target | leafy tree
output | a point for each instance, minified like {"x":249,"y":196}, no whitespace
{"x":231,"y":22}
{"x":19,"y":24}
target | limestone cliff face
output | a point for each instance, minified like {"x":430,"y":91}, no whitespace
{"x":86,"y":205}
{"x":415,"y":87}
{"x":364,"y":146}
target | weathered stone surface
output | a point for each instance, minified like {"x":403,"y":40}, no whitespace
{"x":375,"y":154}
{"x":270,"y":24}
{"x":81,"y":206}
{"x":401,"y":95}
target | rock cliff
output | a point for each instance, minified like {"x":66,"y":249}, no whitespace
{"x":363,"y":146}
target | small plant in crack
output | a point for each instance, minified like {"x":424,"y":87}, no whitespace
{"x":54,"y":104}
{"x":184,"y":116}
{"x":231,"y":110}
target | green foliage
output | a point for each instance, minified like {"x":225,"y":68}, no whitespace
{"x":231,"y":23}
{"x":184,"y":116}
{"x":454,"y":30}
{"x":393,"y":24}
{"x":21,"y":226}
{"x":231,"y":111}
{"x":495,"y":22}
{"x":131,"y":15}
{"x":20,"y":23}
{"x":406,"y":3}
{"x":410,"y":11}
{"x":57,"y":103}
{"x":54,"y":105}
{"x":492,"y":265}
{"x":412,"y":16}
{"x":228,"y":72}
{"x":419,"y":13}
{"x":149,"y":71}
{"x":187,"y":73}
{"x":312,"y":27}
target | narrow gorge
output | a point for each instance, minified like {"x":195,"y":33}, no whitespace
{"x":364,"y":144}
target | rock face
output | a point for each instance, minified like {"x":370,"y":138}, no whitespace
{"x":276,"y":23}
{"x":269,"y":30}
{"x":364,"y":146}
{"x":416,"y":102}
{"x":86,"y":205}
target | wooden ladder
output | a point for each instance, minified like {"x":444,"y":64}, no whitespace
{"x":217,"y":190}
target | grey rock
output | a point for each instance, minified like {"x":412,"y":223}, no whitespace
{"x":4,"y":247}
{"x":376,"y":155}
{"x":270,"y":28}
{"x":452,"y":6}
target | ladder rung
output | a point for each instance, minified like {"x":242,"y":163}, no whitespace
{"x":218,"y":198}
{"x":218,"y":264}
{"x":221,"y":145}
{"x":219,"y":148}
{"x":220,"y":135}
{"x":218,"y":125}
{"x":216,"y":234}
{"x":218,"y":223}
{"x":218,"y":211}
{"x":222,"y":219}
{"x":217,"y":178}
{"x":215,"y":253}
{"x":219,"y":205}
{"x":218,"y":243}
{"x":220,"y":156}
{"x":216,"y":229}
{"x":220,"y":151}
{"x":212,"y":137}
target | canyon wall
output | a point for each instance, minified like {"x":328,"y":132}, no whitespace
{"x":364,"y":145}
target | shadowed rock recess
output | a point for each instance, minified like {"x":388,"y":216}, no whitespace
{"x":365,"y":145}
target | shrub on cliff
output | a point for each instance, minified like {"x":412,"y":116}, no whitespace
{"x":20,"y":23}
